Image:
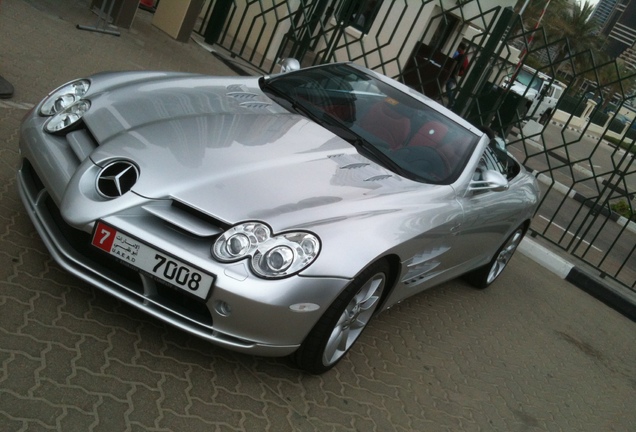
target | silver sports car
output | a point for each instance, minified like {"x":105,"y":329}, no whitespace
{"x":272,"y":215}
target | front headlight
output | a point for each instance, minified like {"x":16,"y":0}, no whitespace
{"x":271,"y":256}
{"x":64,"y":97}
{"x":68,"y":117}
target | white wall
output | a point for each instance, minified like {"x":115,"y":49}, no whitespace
{"x":261,"y":29}
{"x":409,"y":21}
{"x":396,"y":30}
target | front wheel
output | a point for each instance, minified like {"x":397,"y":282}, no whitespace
{"x":484,"y":276}
{"x":343,"y":322}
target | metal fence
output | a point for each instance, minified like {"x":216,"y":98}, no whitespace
{"x":582,"y":149}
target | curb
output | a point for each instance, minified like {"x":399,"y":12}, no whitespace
{"x":578,"y":130}
{"x":618,"y":298}
{"x":545,"y":258}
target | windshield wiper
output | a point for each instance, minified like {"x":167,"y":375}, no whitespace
{"x":369,"y":150}
{"x":382,"y":158}
{"x":290,"y":103}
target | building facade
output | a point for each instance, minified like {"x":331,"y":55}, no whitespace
{"x":620,"y":30}
{"x":602,"y":12}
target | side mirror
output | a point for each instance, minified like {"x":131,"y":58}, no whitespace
{"x":489,"y":181}
{"x":288,"y":65}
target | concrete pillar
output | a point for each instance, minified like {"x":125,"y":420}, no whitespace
{"x":589,"y":108}
{"x":177,"y":17}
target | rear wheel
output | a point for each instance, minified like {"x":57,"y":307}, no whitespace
{"x":343,"y":322}
{"x":484,"y":276}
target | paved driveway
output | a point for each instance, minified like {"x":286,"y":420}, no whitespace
{"x":530,"y":353}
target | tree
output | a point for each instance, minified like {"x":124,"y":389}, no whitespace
{"x":613,"y":79}
{"x":566,"y":45}
{"x":572,"y":23}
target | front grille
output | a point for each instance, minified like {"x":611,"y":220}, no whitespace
{"x":32,"y":180}
{"x":133,"y":285}
{"x":80,"y":241}
{"x":177,"y":299}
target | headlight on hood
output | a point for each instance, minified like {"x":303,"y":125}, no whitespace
{"x":64,"y":97}
{"x":271,"y":256}
{"x":68,"y":117}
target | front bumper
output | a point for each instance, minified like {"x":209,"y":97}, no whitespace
{"x":263,"y":319}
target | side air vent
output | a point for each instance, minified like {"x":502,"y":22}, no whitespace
{"x":243,"y":96}
{"x":379,"y":177}
{"x":355,"y":165}
{"x":236,"y":88}
{"x":255,"y":105}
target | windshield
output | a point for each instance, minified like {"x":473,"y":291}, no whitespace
{"x":396,"y":130}
{"x":529,"y":80}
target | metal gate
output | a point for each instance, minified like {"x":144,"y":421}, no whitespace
{"x":582,"y":153}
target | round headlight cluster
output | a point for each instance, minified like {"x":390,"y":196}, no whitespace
{"x":68,"y":117}
{"x":65,"y":106}
{"x":64,"y":97}
{"x":271,"y":256}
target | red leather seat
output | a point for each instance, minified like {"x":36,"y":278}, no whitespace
{"x":344,"y":112}
{"x":386,"y":124}
{"x":431,"y":134}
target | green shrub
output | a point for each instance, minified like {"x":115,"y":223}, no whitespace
{"x":616,"y":126}
{"x":627,"y":144}
{"x":623,"y":208}
{"x":599,"y":118}
{"x":574,"y":105}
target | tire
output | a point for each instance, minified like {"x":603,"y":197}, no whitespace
{"x":484,"y":276}
{"x":344,"y":321}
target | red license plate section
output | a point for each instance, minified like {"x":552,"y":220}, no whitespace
{"x":152,"y":261}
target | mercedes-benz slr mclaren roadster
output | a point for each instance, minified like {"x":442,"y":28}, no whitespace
{"x":273,"y":215}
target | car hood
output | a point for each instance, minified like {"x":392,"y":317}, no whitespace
{"x":523,"y":90}
{"x":223,"y":148}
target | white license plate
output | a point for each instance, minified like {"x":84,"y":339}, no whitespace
{"x":152,"y":261}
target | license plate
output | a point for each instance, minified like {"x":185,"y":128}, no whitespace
{"x":152,"y":261}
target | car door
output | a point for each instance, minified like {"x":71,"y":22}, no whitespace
{"x":488,"y":215}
